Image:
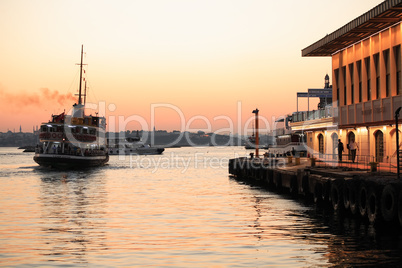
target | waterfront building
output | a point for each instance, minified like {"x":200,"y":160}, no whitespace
{"x":317,"y":124}
{"x":366,"y":78}
{"x":294,"y":135}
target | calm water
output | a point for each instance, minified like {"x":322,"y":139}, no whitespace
{"x":179,"y":209}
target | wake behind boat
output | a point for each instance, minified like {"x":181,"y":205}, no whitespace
{"x":73,"y":141}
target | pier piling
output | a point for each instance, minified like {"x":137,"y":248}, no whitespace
{"x":375,"y":198}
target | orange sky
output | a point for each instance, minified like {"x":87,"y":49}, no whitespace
{"x":201,"y":59}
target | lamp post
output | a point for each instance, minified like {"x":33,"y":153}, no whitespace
{"x":256,"y":132}
{"x":397,"y":140}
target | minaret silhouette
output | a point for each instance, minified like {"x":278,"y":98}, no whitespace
{"x":326,"y":81}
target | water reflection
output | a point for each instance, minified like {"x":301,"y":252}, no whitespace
{"x":332,"y":239}
{"x":257,"y":225}
{"x":134,"y":217}
{"x":72,"y":215}
{"x":354,"y":242}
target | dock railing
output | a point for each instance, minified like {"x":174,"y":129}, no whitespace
{"x":362,"y":162}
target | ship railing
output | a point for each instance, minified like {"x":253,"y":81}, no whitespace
{"x":280,"y":146}
{"x":328,"y":111}
{"x":86,"y":121}
{"x":297,"y":149}
{"x":280,"y":132}
{"x":74,"y":152}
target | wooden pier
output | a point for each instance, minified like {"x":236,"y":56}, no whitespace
{"x":375,"y":197}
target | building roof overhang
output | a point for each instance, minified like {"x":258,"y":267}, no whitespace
{"x":377,"y":19}
{"x":315,"y":124}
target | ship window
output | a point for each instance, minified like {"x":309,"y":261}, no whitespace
{"x":92,"y":131}
{"x":84,"y":131}
{"x":43,"y":128}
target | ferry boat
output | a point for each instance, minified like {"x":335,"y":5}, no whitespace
{"x":73,"y":141}
{"x":250,"y":143}
{"x":131,"y":145}
{"x":289,"y":144}
{"x":287,"y":141}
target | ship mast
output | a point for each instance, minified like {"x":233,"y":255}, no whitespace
{"x":85,"y":92}
{"x":79,"y":109}
{"x":79,"y":93}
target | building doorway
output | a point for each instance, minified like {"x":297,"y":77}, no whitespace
{"x":334,"y":146}
{"x":379,"y":146}
{"x":394,"y":147}
{"x":351,"y":137}
{"x":321,"y":145}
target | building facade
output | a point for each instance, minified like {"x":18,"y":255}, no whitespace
{"x":366,"y":78}
{"x":318,"y":124}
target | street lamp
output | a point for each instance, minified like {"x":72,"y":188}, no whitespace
{"x":256,"y":132}
{"x":397,"y":140}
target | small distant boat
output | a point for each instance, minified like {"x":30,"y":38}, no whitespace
{"x":27,"y":148}
{"x":250,"y":142}
{"x":73,"y":141}
{"x":131,"y":145}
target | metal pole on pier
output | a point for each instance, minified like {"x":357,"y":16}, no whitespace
{"x":256,"y":132}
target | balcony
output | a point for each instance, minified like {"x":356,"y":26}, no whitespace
{"x":375,"y":111}
{"x":313,"y":115}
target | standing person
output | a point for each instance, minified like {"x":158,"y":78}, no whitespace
{"x":353,"y":147}
{"x":340,"y":150}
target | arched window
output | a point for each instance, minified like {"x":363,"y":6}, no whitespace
{"x":351,"y":137}
{"x":321,"y":144}
{"x":379,"y":146}
{"x":334,"y":138}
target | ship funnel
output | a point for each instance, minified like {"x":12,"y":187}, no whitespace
{"x":78,"y":110}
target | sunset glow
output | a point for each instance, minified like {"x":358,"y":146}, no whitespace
{"x":206,"y":58}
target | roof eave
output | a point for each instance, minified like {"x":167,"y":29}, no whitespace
{"x":377,"y":19}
